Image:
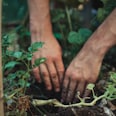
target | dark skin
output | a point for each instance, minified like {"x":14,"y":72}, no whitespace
{"x":83,"y":69}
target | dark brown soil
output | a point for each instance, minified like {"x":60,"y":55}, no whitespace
{"x":39,"y":92}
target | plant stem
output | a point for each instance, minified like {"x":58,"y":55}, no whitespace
{"x":59,"y":104}
{"x":63,"y":35}
{"x":82,"y":103}
{"x":1,"y":77}
{"x":68,"y":17}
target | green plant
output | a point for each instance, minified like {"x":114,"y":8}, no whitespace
{"x":17,"y":68}
{"x":69,"y":31}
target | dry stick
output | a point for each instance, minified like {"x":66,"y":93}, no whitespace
{"x":1,"y":79}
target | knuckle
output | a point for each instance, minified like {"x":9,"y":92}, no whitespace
{"x":61,"y":71}
{"x":68,"y":72}
{"x":57,"y":85}
{"x":53,"y":75}
{"x":57,"y":57}
{"x":48,"y":59}
{"x":47,"y":83}
{"x":44,"y":74}
{"x":48,"y":86}
{"x":74,"y":78}
{"x":90,"y":79}
{"x":35,"y":70}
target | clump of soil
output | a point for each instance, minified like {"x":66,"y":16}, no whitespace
{"x":38,"y":92}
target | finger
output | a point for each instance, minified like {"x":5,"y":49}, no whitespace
{"x":87,"y":92}
{"x":65,"y":89}
{"x":79,"y":91}
{"x":37,"y":74}
{"x":53,"y":76}
{"x":45,"y":76}
{"x":60,"y":69}
{"x":71,"y":91}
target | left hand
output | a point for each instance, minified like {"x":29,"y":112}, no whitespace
{"x":84,"y":69}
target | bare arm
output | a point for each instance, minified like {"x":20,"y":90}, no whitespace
{"x":85,"y":67}
{"x":105,"y":35}
{"x":39,"y":18}
{"x":51,"y":72}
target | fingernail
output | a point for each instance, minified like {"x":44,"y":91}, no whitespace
{"x":49,"y":88}
{"x":57,"y":90}
{"x":39,"y":81}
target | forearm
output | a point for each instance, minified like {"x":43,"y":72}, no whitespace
{"x":40,"y":23}
{"x":104,"y":37}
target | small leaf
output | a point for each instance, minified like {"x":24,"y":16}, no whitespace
{"x":17,"y":54}
{"x":81,"y":1}
{"x":22,"y":82}
{"x":12,"y":76}
{"x":58,"y":36}
{"x":79,"y":37}
{"x":72,"y":38}
{"x":35,"y":46}
{"x":29,"y":56}
{"x":39,"y":61}
{"x":58,"y":17}
{"x":90,"y":86}
{"x":11,"y":64}
{"x":101,"y":14}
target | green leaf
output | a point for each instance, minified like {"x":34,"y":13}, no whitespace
{"x":29,"y":56}
{"x":104,"y":1}
{"x":12,"y":76}
{"x":39,"y":61}
{"x":101,"y":14}
{"x":11,"y":64}
{"x":22,"y":83}
{"x":58,"y":36}
{"x":35,"y":46}
{"x":72,"y":38}
{"x":20,"y":73}
{"x":90,"y":86}
{"x":79,"y":37}
{"x":57,"y":17}
{"x":9,"y":53}
{"x":17,"y":54}
{"x":113,"y":75}
{"x":81,"y":1}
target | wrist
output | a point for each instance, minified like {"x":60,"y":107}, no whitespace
{"x":40,"y":30}
{"x":112,"y":22}
{"x":100,"y":42}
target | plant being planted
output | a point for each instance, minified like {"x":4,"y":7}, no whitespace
{"x":109,"y":94}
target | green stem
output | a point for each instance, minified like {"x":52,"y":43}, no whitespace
{"x":63,"y":35}
{"x":94,"y":96}
{"x":82,"y":103}
{"x":68,"y":17}
{"x":58,"y":104}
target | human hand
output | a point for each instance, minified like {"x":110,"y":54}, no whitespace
{"x":84,"y":69}
{"x":50,"y":72}
{"x":79,"y":74}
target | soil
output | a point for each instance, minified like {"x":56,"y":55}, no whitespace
{"x":38,"y":91}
